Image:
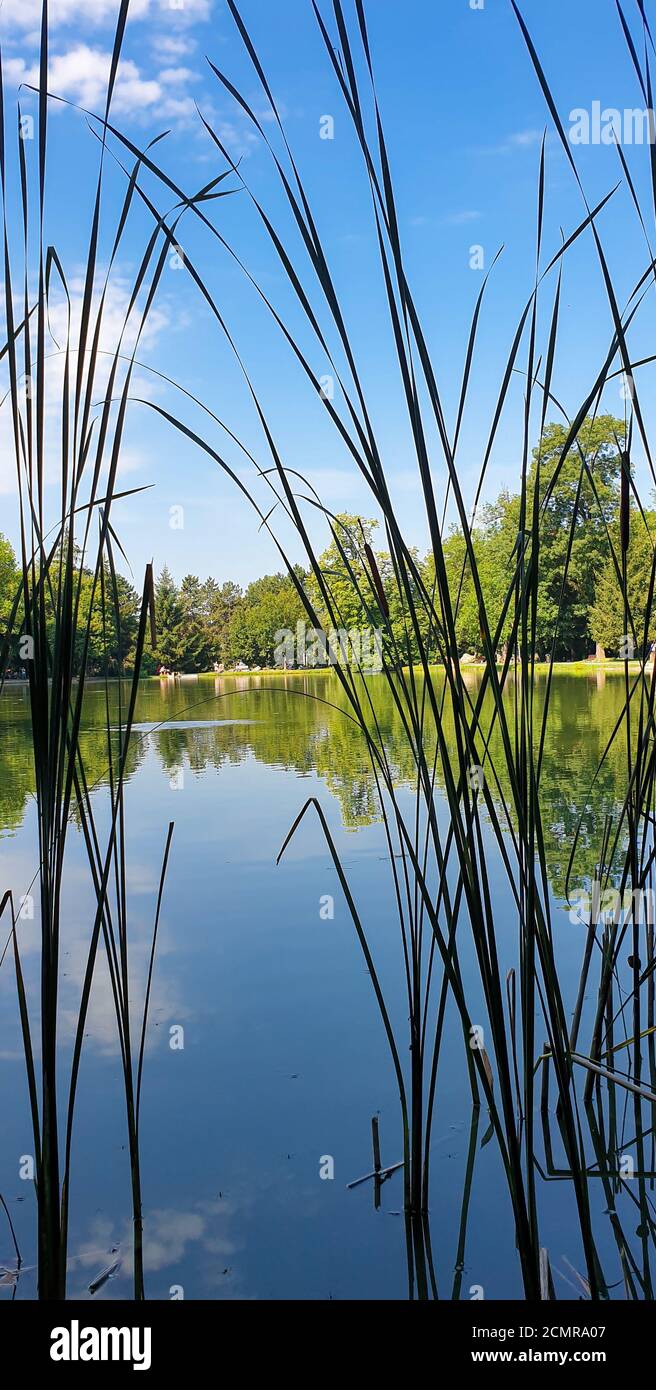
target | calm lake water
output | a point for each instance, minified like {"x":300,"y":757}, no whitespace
{"x":284,"y":1060}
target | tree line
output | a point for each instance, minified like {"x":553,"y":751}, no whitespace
{"x":202,"y":624}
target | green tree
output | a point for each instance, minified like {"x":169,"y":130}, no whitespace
{"x":9,"y":579}
{"x":578,"y":503}
{"x":108,"y":609}
{"x":170,"y":647}
{"x":609,"y":621}
{"x":196,"y":650}
{"x":355,"y":602}
{"x":349,"y":611}
{"x":270,"y":605}
{"x":220,"y":602}
{"x":494,"y":542}
{"x":579,"y":499}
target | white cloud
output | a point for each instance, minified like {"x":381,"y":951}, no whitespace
{"x":168,"y":46}
{"x":179,"y":109}
{"x":26,"y":14}
{"x":15,"y":71}
{"x":82,"y":74}
{"x":460,"y":219}
{"x":170,"y":1234}
{"x":115,"y":309}
{"x":238,"y":138}
{"x":176,"y":76}
{"x":114,"y":315}
{"x":526,"y":138}
{"x":167,"y":1004}
{"x":518,"y":140}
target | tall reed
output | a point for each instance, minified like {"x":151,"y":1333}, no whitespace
{"x":444,"y":884}
{"x":68,"y":446}
{"x":445,"y":881}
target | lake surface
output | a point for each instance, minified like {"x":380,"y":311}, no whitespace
{"x":284,"y":1059}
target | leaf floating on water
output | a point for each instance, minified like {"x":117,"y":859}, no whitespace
{"x":109,"y":1272}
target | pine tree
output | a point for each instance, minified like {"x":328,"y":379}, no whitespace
{"x":220,"y":602}
{"x":170,"y":649}
{"x":196,"y":655}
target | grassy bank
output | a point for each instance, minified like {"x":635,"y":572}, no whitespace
{"x":569,"y":668}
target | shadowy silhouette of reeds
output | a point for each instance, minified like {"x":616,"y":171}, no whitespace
{"x":77,"y":459}
{"x":445,"y":885}
{"x":445,"y":873}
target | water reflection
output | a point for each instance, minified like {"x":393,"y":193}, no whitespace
{"x":284,"y":1061}
{"x":299,"y":723}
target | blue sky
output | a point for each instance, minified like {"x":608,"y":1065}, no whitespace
{"x":464,"y":117}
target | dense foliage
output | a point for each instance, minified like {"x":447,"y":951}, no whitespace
{"x":201,"y":624}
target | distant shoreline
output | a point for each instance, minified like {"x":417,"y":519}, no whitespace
{"x":612,"y":665}
{"x":571,"y":668}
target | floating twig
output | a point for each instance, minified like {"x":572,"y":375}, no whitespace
{"x":614,"y":1076}
{"x":381,"y":1173}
